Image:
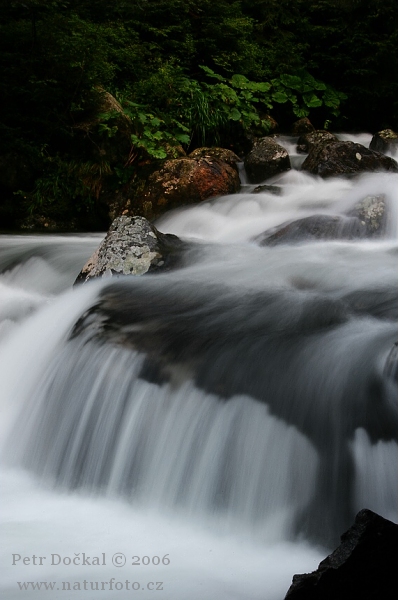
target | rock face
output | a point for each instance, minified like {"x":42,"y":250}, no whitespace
{"x":267,"y":158}
{"x":344,"y":158}
{"x":132,"y":246}
{"x":309,"y":140}
{"x":302,"y":126}
{"x":186,"y":181}
{"x":385,"y":141}
{"x":364,"y":566}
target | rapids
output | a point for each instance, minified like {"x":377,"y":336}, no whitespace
{"x":233,"y":414}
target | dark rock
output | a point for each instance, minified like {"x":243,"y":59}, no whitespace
{"x":314,"y":138}
{"x":364,"y":566}
{"x":267,"y":158}
{"x":132,"y":246}
{"x":345,"y":158}
{"x":185,"y":181}
{"x":380,"y":303}
{"x":385,"y":141}
{"x":222,"y":154}
{"x":271,"y":189}
{"x":302,"y":126}
{"x":316,"y":227}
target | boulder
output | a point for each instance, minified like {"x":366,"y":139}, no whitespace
{"x":222,"y":154}
{"x":302,"y":126}
{"x":132,"y":246}
{"x":345,"y":158}
{"x":184,"y":181}
{"x":314,"y":228}
{"x":267,"y":158}
{"x":307,"y":141}
{"x":385,"y":141}
{"x":371,"y":211}
{"x":364,"y":566}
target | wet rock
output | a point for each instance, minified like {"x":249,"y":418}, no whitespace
{"x":314,"y":228}
{"x":267,"y":158}
{"x":385,"y":141}
{"x":391,"y":365}
{"x":364,"y":566}
{"x":222,"y":154}
{"x":132,"y":246}
{"x":302,"y":126}
{"x":187,"y":181}
{"x":307,"y":141}
{"x":345,"y":158}
{"x":380,"y":303}
{"x":270,"y":189}
{"x":371,"y":211}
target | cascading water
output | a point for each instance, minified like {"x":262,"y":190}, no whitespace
{"x":231,"y":414}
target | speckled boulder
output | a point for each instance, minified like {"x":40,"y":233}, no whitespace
{"x":385,"y":141}
{"x":345,"y":158}
{"x":307,"y":141}
{"x":187,"y":181}
{"x":371,"y":211}
{"x":267,"y":158}
{"x":132,"y":246}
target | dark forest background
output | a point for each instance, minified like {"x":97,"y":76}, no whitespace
{"x":91,"y":90}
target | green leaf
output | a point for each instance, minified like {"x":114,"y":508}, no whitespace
{"x":235,"y":115}
{"x":280,"y":97}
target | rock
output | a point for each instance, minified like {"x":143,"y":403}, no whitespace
{"x":364,"y":566}
{"x":132,"y":246}
{"x":371,"y":211}
{"x":344,"y":158}
{"x":314,"y":228}
{"x":267,"y":158}
{"x":185,"y":181}
{"x":222,"y":154}
{"x":307,"y":141}
{"x":391,"y":364}
{"x":271,"y":189}
{"x":302,"y":126}
{"x":385,"y":141}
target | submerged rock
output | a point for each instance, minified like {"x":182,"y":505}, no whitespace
{"x":307,"y":141}
{"x":385,"y":141}
{"x":267,"y":158}
{"x":316,"y":227}
{"x":271,"y":189}
{"x":364,"y":566}
{"x":344,"y":158}
{"x":132,"y":246}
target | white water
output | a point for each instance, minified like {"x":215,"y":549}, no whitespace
{"x":243,"y":550}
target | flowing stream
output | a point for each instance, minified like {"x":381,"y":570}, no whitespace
{"x":226,"y":419}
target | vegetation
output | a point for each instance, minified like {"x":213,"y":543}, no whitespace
{"x":183,"y":72}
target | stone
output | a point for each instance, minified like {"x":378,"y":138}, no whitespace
{"x":185,"y":181}
{"x":385,"y":141}
{"x":346,"y":158}
{"x":267,"y":158}
{"x":371,"y":211}
{"x":276,"y":190}
{"x":132,"y":246}
{"x":222,"y":154}
{"x":302,"y":126}
{"x":314,"y":228}
{"x":364,"y":566}
{"x":308,"y":140}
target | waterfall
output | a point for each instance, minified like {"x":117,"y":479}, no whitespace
{"x":240,"y":404}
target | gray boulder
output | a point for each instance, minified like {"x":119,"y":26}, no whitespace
{"x":267,"y":158}
{"x":345,"y":158}
{"x":132,"y":246}
{"x":385,"y":141}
